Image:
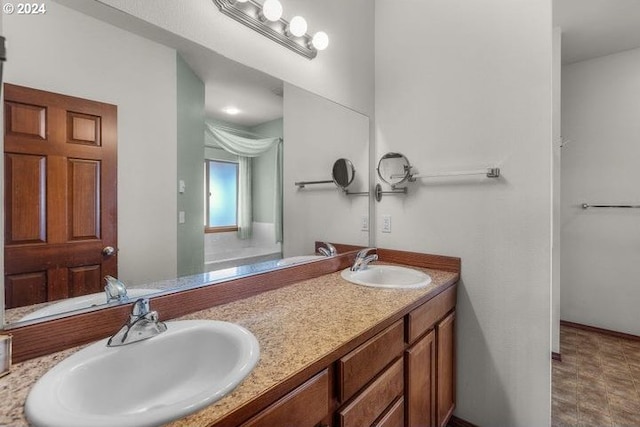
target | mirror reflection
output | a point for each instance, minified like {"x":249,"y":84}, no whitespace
{"x":343,"y":173}
{"x":394,"y":169}
{"x":194,"y":204}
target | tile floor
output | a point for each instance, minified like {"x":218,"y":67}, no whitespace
{"x":598,"y":381}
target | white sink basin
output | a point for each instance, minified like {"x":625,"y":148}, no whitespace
{"x":84,"y":301}
{"x":146,"y":383}
{"x":388,"y":276}
{"x":298,"y":259}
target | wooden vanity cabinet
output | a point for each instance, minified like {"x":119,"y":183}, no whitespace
{"x":306,"y":406}
{"x":402,"y":377}
{"x":420,"y":361}
{"x":446,"y":379}
{"x":417,"y":388}
{"x":430,"y":362}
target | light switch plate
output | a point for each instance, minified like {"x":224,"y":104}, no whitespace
{"x":364,"y":223}
{"x":386,"y":223}
{"x":5,"y":354}
{"x":181,"y":217}
{"x":181,"y":186}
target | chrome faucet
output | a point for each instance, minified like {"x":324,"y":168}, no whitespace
{"x":363,"y":259}
{"x":115,"y":289}
{"x":143,"y":323}
{"x":327,"y":249}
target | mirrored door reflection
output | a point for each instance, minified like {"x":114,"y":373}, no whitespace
{"x":168,"y":96}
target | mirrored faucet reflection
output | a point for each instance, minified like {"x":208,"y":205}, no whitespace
{"x":363,"y":259}
{"x":115,"y":289}
{"x":327,"y":249}
{"x":143,"y":324}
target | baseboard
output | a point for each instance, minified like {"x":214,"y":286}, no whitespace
{"x":459,"y":422}
{"x":600,"y":330}
{"x":556,"y":356}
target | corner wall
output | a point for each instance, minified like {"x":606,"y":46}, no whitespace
{"x":317,"y":132}
{"x":190,"y":161}
{"x":465,"y":84}
{"x":557,"y":173}
{"x":600,"y":247}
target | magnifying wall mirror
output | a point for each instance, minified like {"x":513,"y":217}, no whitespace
{"x":343,"y":173}
{"x":394,"y":169}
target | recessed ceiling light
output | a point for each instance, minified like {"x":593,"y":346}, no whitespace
{"x":232,"y":111}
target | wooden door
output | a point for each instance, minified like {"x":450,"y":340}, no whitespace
{"x":446,"y":369}
{"x":60,"y":195}
{"x":420,"y":362}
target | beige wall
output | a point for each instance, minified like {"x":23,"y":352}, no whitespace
{"x":317,"y":132}
{"x":464,"y":84}
{"x":600,"y":269}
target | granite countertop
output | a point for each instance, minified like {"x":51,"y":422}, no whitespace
{"x":296,"y":326}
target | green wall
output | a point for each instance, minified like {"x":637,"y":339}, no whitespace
{"x":262,"y":180}
{"x":190,"y":155}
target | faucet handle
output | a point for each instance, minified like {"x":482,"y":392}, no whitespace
{"x":327,"y":249}
{"x":364,"y":252}
{"x":115,"y":289}
{"x":140,"y":307}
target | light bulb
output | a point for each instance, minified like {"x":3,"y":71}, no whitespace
{"x":298,"y":26}
{"x":320,"y":40}
{"x":232,"y":111}
{"x":272,"y":10}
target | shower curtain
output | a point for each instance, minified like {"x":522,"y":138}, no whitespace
{"x":245,"y":148}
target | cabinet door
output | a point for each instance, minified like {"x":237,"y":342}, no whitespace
{"x":305,"y":406}
{"x":446,"y":369}
{"x":421,"y":381}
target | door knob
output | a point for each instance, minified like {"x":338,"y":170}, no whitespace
{"x":108,"y":251}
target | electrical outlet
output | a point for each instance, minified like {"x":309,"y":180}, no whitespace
{"x":364,"y":223}
{"x":181,"y":186}
{"x":181,"y":217}
{"x":386,"y":223}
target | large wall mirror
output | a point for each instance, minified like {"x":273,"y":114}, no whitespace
{"x":190,"y":208}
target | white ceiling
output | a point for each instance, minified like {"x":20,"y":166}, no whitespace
{"x":593,"y":28}
{"x":257,"y":95}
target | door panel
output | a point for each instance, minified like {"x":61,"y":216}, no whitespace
{"x":60,"y":153}
{"x":27,"y":289}
{"x":25,"y":196}
{"x":25,"y":120}
{"x":85,"y":280}
{"x":83,"y":129}
{"x":84,"y":199}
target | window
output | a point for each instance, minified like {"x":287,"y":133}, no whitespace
{"x":221,"y":196}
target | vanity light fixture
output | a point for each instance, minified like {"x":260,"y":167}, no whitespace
{"x":267,"y":20}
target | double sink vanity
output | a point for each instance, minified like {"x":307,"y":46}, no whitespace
{"x":314,"y":344}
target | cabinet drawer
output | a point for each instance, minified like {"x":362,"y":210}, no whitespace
{"x":394,"y":417}
{"x":305,"y":406}
{"x":360,"y":366}
{"x":372,"y":402}
{"x":425,"y":317}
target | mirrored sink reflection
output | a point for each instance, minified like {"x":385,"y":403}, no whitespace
{"x":147,"y":383}
{"x":387,"y":276}
{"x":298,"y":259}
{"x":82,"y":302}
